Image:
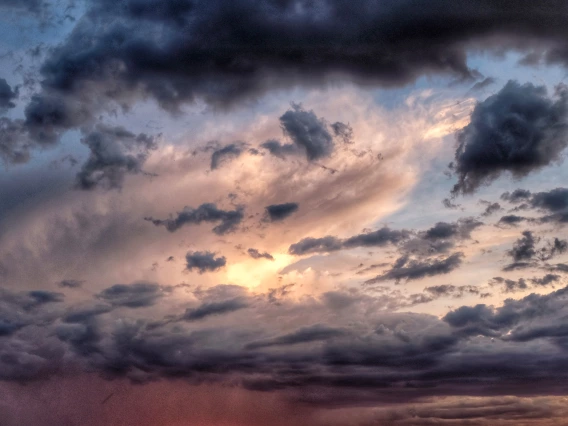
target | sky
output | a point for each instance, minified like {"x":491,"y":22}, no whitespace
{"x":283,"y":212}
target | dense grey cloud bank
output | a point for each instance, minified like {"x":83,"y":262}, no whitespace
{"x":362,"y":347}
{"x":172,"y":51}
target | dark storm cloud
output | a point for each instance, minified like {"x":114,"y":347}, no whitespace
{"x":255,"y":254}
{"x":135,"y":295}
{"x":518,"y":130}
{"x":308,"y":132}
{"x":414,"y":269}
{"x":7,"y":95}
{"x":204,"y":261}
{"x":277,"y":212}
{"x":172,"y":51}
{"x":226,"y":153}
{"x":207,"y":212}
{"x":555,"y":200}
{"x":114,"y":152}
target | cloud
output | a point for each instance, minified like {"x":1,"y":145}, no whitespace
{"x":307,"y":131}
{"x":441,"y":238}
{"x":207,"y":212}
{"x":327,"y":244}
{"x":511,"y":219}
{"x":204,"y":261}
{"x":525,"y":252}
{"x":378,"y":238}
{"x":7,"y":95}
{"x":308,"y":334}
{"x":135,"y":295}
{"x":255,"y":254}
{"x":491,"y":208}
{"x":461,"y":229}
{"x":555,"y":202}
{"x":280,"y":150}
{"x":278,"y":212}
{"x":524,"y":248}
{"x":71,"y":283}
{"x":343,"y":131}
{"x":413,"y":269}
{"x":517,"y":196}
{"x":214,"y":309}
{"x":518,"y":130}
{"x":480,"y":85}
{"x":226,"y":153}
{"x":114,"y":152}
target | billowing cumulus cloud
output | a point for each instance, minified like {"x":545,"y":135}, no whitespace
{"x":204,"y":261}
{"x":518,"y":130}
{"x":208,"y":212}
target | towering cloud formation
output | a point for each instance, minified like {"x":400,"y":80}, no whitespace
{"x":518,"y":130}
